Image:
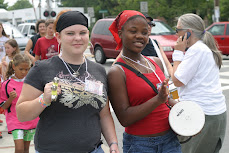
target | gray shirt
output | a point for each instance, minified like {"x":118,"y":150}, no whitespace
{"x":72,"y":123}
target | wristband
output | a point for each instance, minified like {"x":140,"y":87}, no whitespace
{"x":178,"y":55}
{"x":42,"y":102}
{"x":113,"y":143}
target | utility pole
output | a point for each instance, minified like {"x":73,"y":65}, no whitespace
{"x":49,"y":13}
{"x":39,"y":5}
{"x":48,"y":7}
{"x":34,"y":10}
{"x":216,"y":10}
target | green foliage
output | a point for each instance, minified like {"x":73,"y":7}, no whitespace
{"x":21,"y":4}
{"x":224,"y":7}
{"x":3,"y":5}
{"x":168,"y":10}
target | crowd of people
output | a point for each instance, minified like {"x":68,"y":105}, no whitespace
{"x":135,"y":86}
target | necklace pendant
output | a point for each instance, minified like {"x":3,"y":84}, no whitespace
{"x":76,"y":74}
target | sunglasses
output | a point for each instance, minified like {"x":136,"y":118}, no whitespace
{"x":151,"y":24}
{"x":177,"y":30}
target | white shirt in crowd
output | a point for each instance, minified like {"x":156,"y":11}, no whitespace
{"x":200,"y":76}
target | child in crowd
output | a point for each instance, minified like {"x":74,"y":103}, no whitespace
{"x":46,"y":47}
{"x":3,"y":39}
{"x":11,"y":48}
{"x":23,"y":132}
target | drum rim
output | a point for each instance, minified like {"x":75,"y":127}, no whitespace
{"x":180,"y":132}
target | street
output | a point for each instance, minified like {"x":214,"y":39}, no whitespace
{"x":7,"y":144}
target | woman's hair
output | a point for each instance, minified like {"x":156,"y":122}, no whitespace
{"x":196,"y":24}
{"x":3,"y":31}
{"x":48,"y":22}
{"x":38,"y":23}
{"x":13,"y":43}
{"x":18,"y":59}
{"x":58,"y":16}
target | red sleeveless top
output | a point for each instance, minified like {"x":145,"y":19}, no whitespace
{"x":139,"y":92}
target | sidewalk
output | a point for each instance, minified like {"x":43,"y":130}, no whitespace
{"x":7,"y":143}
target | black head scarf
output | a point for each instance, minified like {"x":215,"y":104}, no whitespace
{"x":70,"y":18}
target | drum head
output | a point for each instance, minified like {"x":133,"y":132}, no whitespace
{"x":186,"y":118}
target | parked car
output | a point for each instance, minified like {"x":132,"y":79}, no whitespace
{"x":14,"y":33}
{"x":220,"y":31}
{"x":103,"y":43}
{"x":27,"y":29}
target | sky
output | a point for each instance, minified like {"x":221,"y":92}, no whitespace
{"x":36,"y":2}
{"x":11,"y":2}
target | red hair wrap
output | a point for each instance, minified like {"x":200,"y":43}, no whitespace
{"x":118,"y":23}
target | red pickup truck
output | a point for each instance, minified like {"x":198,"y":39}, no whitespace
{"x":220,"y":31}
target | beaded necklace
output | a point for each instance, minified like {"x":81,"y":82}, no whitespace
{"x":138,"y":62}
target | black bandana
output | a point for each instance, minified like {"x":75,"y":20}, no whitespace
{"x":70,"y":18}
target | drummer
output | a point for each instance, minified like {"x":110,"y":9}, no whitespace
{"x":138,"y":107}
{"x":196,"y":73}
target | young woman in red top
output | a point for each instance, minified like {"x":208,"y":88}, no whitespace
{"x":141,"y":110}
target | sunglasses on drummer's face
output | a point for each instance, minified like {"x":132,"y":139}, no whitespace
{"x":151,"y":24}
{"x":177,"y":30}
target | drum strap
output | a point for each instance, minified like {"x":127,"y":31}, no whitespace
{"x":7,"y":94}
{"x":139,"y":74}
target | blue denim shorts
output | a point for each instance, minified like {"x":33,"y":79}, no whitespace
{"x":167,"y":143}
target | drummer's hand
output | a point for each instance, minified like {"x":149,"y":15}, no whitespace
{"x":163,"y":92}
{"x":172,"y":102}
{"x":48,"y":92}
{"x":181,"y":44}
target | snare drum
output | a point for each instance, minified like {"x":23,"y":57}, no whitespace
{"x":186,"y":118}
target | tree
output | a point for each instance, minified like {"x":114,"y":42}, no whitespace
{"x":224,"y":7}
{"x":21,"y":4}
{"x":169,"y":10}
{"x":3,"y":5}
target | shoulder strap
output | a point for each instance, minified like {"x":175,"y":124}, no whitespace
{"x":155,"y":42}
{"x":160,"y":57}
{"x":139,"y":74}
{"x":7,"y":94}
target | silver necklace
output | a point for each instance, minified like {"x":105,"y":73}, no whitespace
{"x":76,"y":73}
{"x":138,"y":62}
{"x":65,"y":64}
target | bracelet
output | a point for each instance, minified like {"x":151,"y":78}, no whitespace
{"x":178,"y":55}
{"x":113,"y":143}
{"x":42,"y":102}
